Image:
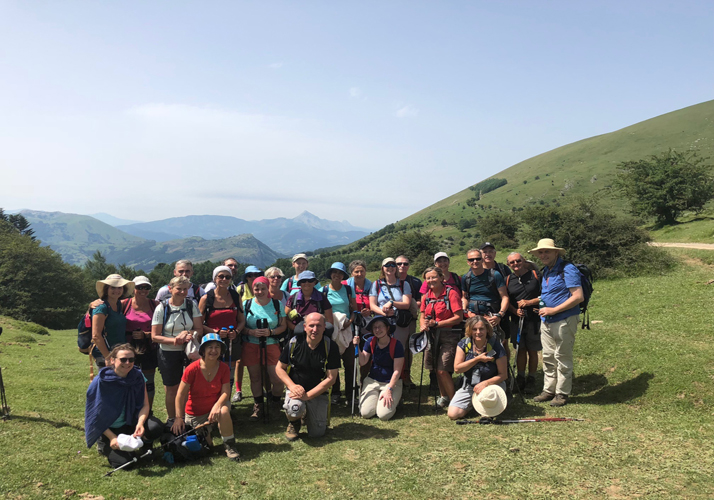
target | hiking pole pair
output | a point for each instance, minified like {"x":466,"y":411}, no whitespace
{"x":151,"y":451}
{"x":494,"y":421}
{"x":3,"y":397}
{"x":514,"y":368}
{"x":355,"y":384}
{"x":264,"y":378}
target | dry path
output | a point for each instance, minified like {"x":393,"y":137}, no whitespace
{"x":697,"y":246}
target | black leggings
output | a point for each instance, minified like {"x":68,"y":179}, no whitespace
{"x":153,"y":428}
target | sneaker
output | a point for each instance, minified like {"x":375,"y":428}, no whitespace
{"x":257,"y":412}
{"x":442,"y":402}
{"x":335,"y":399}
{"x":293,"y":431}
{"x":530,"y":385}
{"x":237,"y":397}
{"x":231,"y":452}
{"x":521,"y":382}
{"x":559,"y":400}
{"x":543,"y":397}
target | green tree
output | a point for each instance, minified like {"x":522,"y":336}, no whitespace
{"x":665,"y":185}
{"x":18,"y":222}
{"x":419,"y":247}
{"x":96,"y":268}
{"x":499,"y":228}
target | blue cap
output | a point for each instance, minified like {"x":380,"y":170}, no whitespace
{"x":211,"y":337}
{"x":251,"y":270}
{"x":338,"y":266}
{"x":306,"y":275}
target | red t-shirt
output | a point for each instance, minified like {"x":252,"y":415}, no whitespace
{"x":450,"y":280}
{"x":203,"y":394}
{"x":437,"y":309}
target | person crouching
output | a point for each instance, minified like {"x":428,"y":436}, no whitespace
{"x":203,"y":394}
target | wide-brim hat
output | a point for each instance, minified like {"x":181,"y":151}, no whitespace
{"x":115,"y":280}
{"x":491,"y":402}
{"x":391,"y":326}
{"x":337,"y":266}
{"x":211,"y":337}
{"x":547,"y":244}
{"x":418,"y":342}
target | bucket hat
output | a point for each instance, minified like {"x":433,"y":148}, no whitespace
{"x":211,"y":337}
{"x":115,"y":280}
{"x":547,"y":244}
{"x":418,"y":342}
{"x":306,"y":276}
{"x":339,"y":266}
{"x":491,"y":401}
{"x":390,"y":324}
{"x":251,"y":270}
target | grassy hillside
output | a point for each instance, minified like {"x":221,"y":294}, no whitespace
{"x":645,"y":398}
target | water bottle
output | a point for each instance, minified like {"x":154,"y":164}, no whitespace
{"x":541,"y":305}
{"x":191,"y":444}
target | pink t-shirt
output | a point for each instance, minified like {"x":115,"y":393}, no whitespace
{"x":139,"y":320}
{"x":203,"y":394}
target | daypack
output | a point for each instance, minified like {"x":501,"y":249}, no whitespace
{"x":468,"y":279}
{"x":402,"y":317}
{"x":84,"y":332}
{"x":326,"y":289}
{"x":444,"y":299}
{"x":468,"y":375}
{"x":211,"y":298}
{"x":249,"y":303}
{"x":457,"y":280}
{"x":189,"y":310}
{"x":586,"y":283}
{"x":326,"y":341}
{"x":508,"y":278}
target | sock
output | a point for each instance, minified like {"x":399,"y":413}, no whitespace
{"x":238,"y":387}
{"x":521,"y":373}
{"x":532,"y":374}
{"x":258,"y":399}
{"x":228,"y":438}
{"x":277,"y":399}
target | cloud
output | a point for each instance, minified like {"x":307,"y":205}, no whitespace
{"x":407,"y":111}
{"x":276,"y":65}
{"x":355,"y":92}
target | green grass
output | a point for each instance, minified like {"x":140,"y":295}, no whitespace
{"x":643,"y":383}
{"x":692,"y":229}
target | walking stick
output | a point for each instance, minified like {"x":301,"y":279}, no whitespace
{"x":264,"y":377}
{"x":494,"y":421}
{"x":355,"y":384}
{"x":149,"y":452}
{"x":3,"y":397}
{"x":421,"y":380}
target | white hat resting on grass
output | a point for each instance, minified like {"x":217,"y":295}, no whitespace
{"x":491,"y":401}
{"x":129,"y":443}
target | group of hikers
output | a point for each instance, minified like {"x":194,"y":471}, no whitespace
{"x":293,"y":336}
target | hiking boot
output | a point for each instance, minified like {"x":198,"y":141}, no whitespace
{"x":521,"y":382}
{"x":231,"y":452}
{"x":257,"y":412}
{"x":335,"y":399}
{"x":442,"y":402}
{"x":293,"y":431}
{"x":559,"y":400}
{"x":237,"y":397}
{"x":530,"y":385}
{"x":543,"y":397}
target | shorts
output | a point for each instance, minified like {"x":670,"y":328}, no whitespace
{"x":171,"y":367}
{"x":252,"y":354}
{"x":149,"y":360}
{"x":448,"y":343}
{"x":314,"y":411}
{"x":530,"y":335}
{"x":237,"y":346}
{"x":195,"y":420}
{"x":463,"y":396}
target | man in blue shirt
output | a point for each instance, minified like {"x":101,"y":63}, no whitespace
{"x":561,"y":292}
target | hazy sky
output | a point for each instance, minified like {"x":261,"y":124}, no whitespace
{"x":365,"y":111}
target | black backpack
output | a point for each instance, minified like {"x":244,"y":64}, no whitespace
{"x":189,"y":309}
{"x":586,"y":283}
{"x":211,"y":298}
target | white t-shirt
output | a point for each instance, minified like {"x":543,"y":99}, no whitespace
{"x":164,"y":293}
{"x":177,"y":320}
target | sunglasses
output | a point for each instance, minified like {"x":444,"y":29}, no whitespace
{"x":143,"y":287}
{"x":223,"y":277}
{"x":475,"y":259}
{"x":391,"y":264}
{"x":252,"y":275}
{"x":126,"y":360}
{"x":517,"y":261}
{"x":307,"y":281}
{"x":276,"y":277}
{"x":403,"y":264}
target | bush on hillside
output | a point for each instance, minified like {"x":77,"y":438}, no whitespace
{"x":500,"y":228}
{"x":607,"y":243}
{"x":419,"y":247}
{"x":488,"y":185}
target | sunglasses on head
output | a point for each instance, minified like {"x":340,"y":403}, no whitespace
{"x":126,"y":360}
{"x":391,"y":264}
{"x":475,"y":259}
{"x":143,"y":287}
{"x":223,"y":277}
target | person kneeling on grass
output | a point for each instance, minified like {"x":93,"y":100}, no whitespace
{"x":482,"y":360}
{"x":117,"y":409}
{"x":308,"y":367}
{"x":382,"y":388}
{"x":203,"y":394}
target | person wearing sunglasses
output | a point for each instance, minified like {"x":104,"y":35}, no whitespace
{"x":231,"y":264}
{"x":108,"y":320}
{"x":484,"y":291}
{"x":275,"y":277}
{"x":222,"y":308}
{"x":523,"y":287}
{"x":415,"y":283}
{"x":307,"y":300}
{"x":388,"y":295}
{"x":442,"y":261}
{"x":117,"y":408}
{"x":138,"y":311}
{"x":245,"y":287}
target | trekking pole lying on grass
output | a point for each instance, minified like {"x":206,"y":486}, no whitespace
{"x":487,"y":420}
{"x":151,"y":451}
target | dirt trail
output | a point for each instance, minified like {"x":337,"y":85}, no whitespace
{"x":697,"y":246}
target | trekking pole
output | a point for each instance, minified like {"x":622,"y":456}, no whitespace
{"x":149,"y":452}
{"x":356,"y":362}
{"x":493,"y":421}
{"x":3,"y":397}
{"x":421,"y":381}
{"x":264,"y":377}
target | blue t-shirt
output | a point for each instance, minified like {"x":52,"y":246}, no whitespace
{"x":290,"y":286}
{"x":114,"y":325}
{"x":482,"y":371}
{"x":379,"y":290}
{"x":339,"y":299}
{"x":555,"y":288}
{"x":262,"y":312}
{"x":382,"y":363}
{"x":480,"y":291}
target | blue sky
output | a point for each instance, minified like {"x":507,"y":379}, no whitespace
{"x":364,"y":111}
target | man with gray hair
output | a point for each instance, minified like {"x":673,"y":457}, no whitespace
{"x":182,"y":267}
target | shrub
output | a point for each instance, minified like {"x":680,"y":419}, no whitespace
{"x":488,"y":185}
{"x":35,"y":328}
{"x":23,"y":338}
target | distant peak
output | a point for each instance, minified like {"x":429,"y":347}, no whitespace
{"x":305,"y":213}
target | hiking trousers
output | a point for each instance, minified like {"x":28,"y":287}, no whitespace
{"x":558,"y":339}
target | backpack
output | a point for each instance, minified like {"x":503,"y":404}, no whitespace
{"x":211,"y":298}
{"x":294,"y":302}
{"x":444,"y":299}
{"x":468,"y":279}
{"x":326,"y":289}
{"x":457,"y":280}
{"x":84,"y":332}
{"x":468,"y":375}
{"x":189,"y":310}
{"x":402,"y":317}
{"x":276,"y":305}
{"x":326,"y":341}
{"x":586,"y":283}
{"x":508,"y":278}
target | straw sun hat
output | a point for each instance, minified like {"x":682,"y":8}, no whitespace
{"x":115,"y":280}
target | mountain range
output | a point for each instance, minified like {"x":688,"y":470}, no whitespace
{"x":205,"y":237}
